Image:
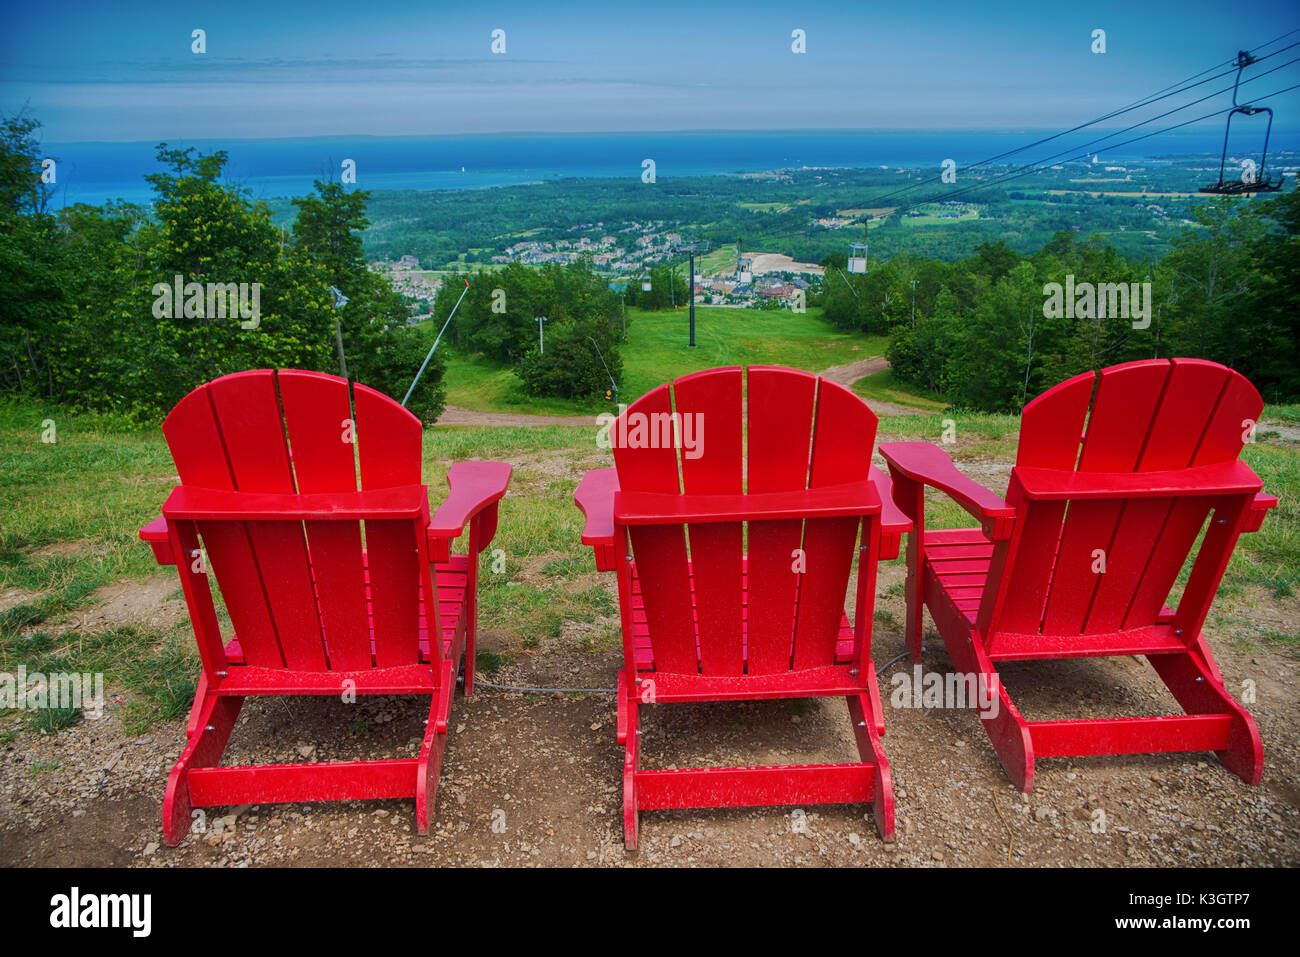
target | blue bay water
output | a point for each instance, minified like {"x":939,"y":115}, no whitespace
{"x":270,"y":168}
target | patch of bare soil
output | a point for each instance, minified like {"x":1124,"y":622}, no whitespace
{"x":845,"y":375}
{"x":142,"y":603}
{"x":454,"y":415}
{"x":62,"y":550}
{"x":1284,"y":431}
{"x":13,"y":597}
{"x":536,"y":472}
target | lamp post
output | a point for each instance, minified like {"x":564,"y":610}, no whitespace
{"x":541,"y":339}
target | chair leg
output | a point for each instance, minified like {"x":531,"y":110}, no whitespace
{"x":915,"y":611}
{"x":871,"y":750}
{"x":470,"y":658}
{"x":431,"y":748}
{"x":877,"y":709}
{"x":215,"y":720}
{"x":910,"y":496}
{"x":1009,"y":733}
{"x":200,"y":695}
{"x":1007,"y":729}
{"x":426,"y":782}
{"x":1192,"y":681}
{"x":631,"y":762}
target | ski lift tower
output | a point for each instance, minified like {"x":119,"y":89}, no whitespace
{"x":692,"y":249}
{"x":744,"y":267}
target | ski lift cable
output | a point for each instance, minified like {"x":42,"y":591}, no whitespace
{"x":613,"y":385}
{"x":423,"y":365}
{"x":1161,"y":94}
{"x":846,"y":281}
{"x":1137,"y":104}
{"x":1276,"y":39}
{"x":1146,"y":101}
{"x":1092,"y":144}
{"x":1043,"y":163}
{"x":1025,"y":171}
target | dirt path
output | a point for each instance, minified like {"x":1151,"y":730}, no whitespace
{"x":844,"y":375}
{"x":851,"y":373}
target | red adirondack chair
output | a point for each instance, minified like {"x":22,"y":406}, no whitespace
{"x":1109,"y":492}
{"x":275,"y":499}
{"x":732,"y":584}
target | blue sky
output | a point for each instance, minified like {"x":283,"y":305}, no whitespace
{"x":109,"y":71}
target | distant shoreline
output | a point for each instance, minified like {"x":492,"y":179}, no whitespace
{"x":282,"y":168}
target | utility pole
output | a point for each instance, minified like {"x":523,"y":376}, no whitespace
{"x":690,"y":296}
{"x":692,"y":249}
{"x":541,"y":339}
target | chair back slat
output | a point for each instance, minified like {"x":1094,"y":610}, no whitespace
{"x":322,"y":438}
{"x":844,"y":434}
{"x":1123,"y":407}
{"x":1199,"y":423}
{"x":781,"y":403}
{"x":299,"y":594}
{"x":648,"y":463}
{"x":388,"y":443}
{"x":715,"y":466}
{"x":1103,"y":565}
{"x":759,"y":597}
{"x":1050,"y":428}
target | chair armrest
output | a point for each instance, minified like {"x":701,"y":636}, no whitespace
{"x":1221,"y":478}
{"x":155,"y":533}
{"x":666,"y":508}
{"x":931,"y":465}
{"x":476,"y":487}
{"x":200,"y":504}
{"x":1258,"y":509}
{"x":595,"y":496}
{"x":893,"y":523}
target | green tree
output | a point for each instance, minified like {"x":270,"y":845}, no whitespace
{"x":380,"y":348}
{"x":33,"y":266}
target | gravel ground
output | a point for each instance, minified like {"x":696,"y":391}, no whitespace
{"x":537,"y":779}
{"x":547,"y":767}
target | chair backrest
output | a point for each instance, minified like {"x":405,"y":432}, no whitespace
{"x":1146,"y":416}
{"x":773,"y":429}
{"x":302,"y":595}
